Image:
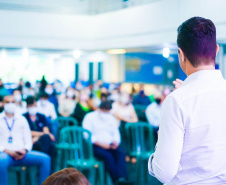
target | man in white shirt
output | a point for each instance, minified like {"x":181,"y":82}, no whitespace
{"x":46,"y":108}
{"x":16,"y":143}
{"x":191,"y":146}
{"x":106,"y":139}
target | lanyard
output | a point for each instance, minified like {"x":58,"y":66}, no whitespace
{"x":10,"y":128}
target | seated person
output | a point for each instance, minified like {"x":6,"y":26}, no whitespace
{"x":20,"y":105}
{"x":67,"y":176}
{"x":141,"y":98}
{"x":82,"y":107}
{"x":106,"y":138}
{"x":16,"y":144}
{"x":47,"y":108}
{"x":42,"y":138}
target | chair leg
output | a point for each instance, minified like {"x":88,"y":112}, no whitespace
{"x":19,"y":179}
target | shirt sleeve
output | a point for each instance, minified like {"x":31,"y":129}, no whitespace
{"x":27,"y":135}
{"x":87,"y":124}
{"x":116,"y":133}
{"x":53,"y":112}
{"x":166,"y":159}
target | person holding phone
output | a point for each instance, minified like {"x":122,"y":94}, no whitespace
{"x":16,"y":143}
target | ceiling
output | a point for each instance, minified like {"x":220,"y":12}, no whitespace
{"x":87,"y":7}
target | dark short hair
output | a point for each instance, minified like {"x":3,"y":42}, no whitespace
{"x":44,"y":95}
{"x":30,"y":100}
{"x":197,"y":39}
{"x":67,"y":176}
{"x":105,"y":105}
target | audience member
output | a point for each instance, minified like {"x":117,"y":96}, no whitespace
{"x":20,"y":105}
{"x":153,"y":112}
{"x":41,"y":136}
{"x":46,"y":108}
{"x":106,"y":138}
{"x":16,"y":144}
{"x":82,"y":107}
{"x":123,"y":110}
{"x":141,"y":98}
{"x":67,"y":176}
{"x":52,"y":96}
{"x":67,"y":104}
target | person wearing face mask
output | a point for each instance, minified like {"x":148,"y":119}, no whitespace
{"x":153,"y":112}
{"x":82,"y":107}
{"x":16,"y":144}
{"x":141,"y":98}
{"x":46,"y":108}
{"x":20,"y":105}
{"x":123,"y":110}
{"x":106,"y":139}
{"x":68,"y":103}
{"x":41,"y":136}
{"x":49,"y":89}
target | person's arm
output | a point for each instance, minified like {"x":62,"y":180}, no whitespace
{"x":164,"y":164}
{"x":53,"y":112}
{"x":46,"y":131}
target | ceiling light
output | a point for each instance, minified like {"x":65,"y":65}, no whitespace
{"x":166,"y":52}
{"x":25,"y":52}
{"x":76,"y":54}
{"x":116,"y":51}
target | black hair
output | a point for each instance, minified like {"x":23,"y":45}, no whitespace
{"x":30,"y":100}
{"x":105,"y":105}
{"x":197,"y":39}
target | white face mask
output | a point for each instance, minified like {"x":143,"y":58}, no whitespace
{"x":31,"y":93}
{"x":124,"y":100}
{"x":114,"y":97}
{"x":84,"y":97}
{"x":10,"y":108}
{"x":70,"y":94}
{"x":18,"y":97}
{"x":32,"y":110}
{"x":44,"y":102}
{"x":49,"y":91}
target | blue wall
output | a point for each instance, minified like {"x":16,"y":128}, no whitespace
{"x":152,"y":68}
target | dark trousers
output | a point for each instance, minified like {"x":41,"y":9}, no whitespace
{"x":45,"y":145}
{"x":114,"y":161}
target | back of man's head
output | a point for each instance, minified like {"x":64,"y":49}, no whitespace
{"x":197,"y":39}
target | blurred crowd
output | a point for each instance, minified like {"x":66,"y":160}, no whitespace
{"x":103,"y":110}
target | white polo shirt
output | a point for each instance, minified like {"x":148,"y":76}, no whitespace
{"x":103,"y":127}
{"x":191,"y":147}
{"x":20,"y":133}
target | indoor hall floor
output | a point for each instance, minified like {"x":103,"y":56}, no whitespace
{"x":131,"y":173}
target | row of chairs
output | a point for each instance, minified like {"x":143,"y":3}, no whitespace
{"x":74,"y":148}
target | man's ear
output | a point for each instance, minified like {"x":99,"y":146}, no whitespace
{"x":217,"y":49}
{"x":181,"y":55}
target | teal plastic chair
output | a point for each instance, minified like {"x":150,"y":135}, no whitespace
{"x":140,"y":144}
{"x":78,"y":152}
{"x":140,"y":110}
{"x":23,"y":175}
{"x":66,"y":121}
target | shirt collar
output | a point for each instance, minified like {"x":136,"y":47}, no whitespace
{"x":3,"y":115}
{"x":203,"y":75}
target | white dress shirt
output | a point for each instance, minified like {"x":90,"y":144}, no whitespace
{"x":47,"y":109}
{"x":153,"y":114}
{"x":191,"y":147}
{"x":20,"y":133}
{"x":102,"y":126}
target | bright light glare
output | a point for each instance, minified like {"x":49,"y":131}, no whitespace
{"x":25,"y":53}
{"x":116,"y":51}
{"x":166,"y":52}
{"x":76,"y":54}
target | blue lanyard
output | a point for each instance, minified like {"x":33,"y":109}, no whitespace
{"x":10,"y":128}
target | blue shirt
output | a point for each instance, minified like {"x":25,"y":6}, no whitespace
{"x":39,"y":123}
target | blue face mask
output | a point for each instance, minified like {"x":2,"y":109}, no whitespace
{"x":142,"y":92}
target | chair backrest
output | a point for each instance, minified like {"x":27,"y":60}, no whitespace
{"x":66,"y":121}
{"x":140,"y":137}
{"x":140,"y":110}
{"x":78,"y":142}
